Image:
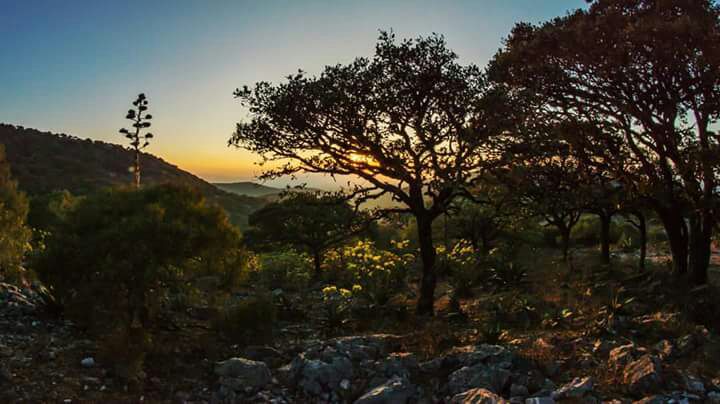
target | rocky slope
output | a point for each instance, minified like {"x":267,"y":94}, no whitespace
{"x":48,"y":360}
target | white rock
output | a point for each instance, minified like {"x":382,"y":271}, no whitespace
{"x":88,"y":362}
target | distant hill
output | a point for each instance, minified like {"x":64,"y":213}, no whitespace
{"x":255,"y":190}
{"x":248,"y":188}
{"x":43,"y":162}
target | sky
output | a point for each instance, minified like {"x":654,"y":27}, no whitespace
{"x":75,"y":66}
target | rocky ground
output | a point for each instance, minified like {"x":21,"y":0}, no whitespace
{"x":645,"y":353}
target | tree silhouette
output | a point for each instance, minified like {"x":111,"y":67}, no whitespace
{"x":141,"y":120}
{"x":647,"y":71}
{"x":409,"y":122}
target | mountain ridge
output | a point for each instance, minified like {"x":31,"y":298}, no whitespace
{"x":44,"y":162}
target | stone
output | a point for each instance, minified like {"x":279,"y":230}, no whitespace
{"x":88,"y":362}
{"x":5,"y":376}
{"x":686,"y":344}
{"x":577,"y":388}
{"x":241,"y":373}
{"x":713,"y":397}
{"x":694,"y":385}
{"x":479,"y":376}
{"x":395,"y":390}
{"x":477,"y":396}
{"x":540,"y":400}
{"x":518,"y":390}
{"x":643,"y":376}
{"x":664,"y":349}
{"x":653,"y":400}
{"x":621,"y":356}
{"x":316,"y":377}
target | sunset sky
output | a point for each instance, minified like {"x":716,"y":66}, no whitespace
{"x":74,"y":66}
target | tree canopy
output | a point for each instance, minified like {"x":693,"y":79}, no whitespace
{"x":410,"y":122}
{"x":646,"y":74}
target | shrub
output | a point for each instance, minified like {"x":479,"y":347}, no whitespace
{"x":247,"y":321}
{"x":502,"y":268}
{"x":284,"y":269}
{"x":337,"y":303}
{"x":463,"y":266}
{"x":14,"y":234}
{"x":119,"y":256}
{"x":380,"y":273}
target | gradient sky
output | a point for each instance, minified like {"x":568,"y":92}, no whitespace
{"x":74,"y":66}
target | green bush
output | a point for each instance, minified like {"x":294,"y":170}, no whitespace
{"x":14,"y":234}
{"x":284,"y":269}
{"x":117,"y":259}
{"x":247,"y":321}
{"x":463,"y":266}
{"x":379,"y":273}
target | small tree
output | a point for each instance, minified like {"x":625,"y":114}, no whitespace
{"x":309,"y":221}
{"x":138,"y":141}
{"x":550,"y":187}
{"x":14,"y":234}
{"x":410,"y":122}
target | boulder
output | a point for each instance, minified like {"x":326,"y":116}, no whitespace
{"x":694,"y":385}
{"x":316,"y":377}
{"x":577,"y":388}
{"x":713,"y":397}
{"x":518,"y":390}
{"x":240,"y":373}
{"x":492,"y":378}
{"x":643,"y":376}
{"x":395,"y":390}
{"x":540,"y":400}
{"x":621,"y":356}
{"x":477,"y":396}
{"x":88,"y":362}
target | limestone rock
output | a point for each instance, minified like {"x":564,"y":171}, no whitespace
{"x":241,"y":373}
{"x":477,"y":396}
{"x":395,"y":390}
{"x":478,"y":376}
{"x":643,"y":376}
{"x":577,"y":388}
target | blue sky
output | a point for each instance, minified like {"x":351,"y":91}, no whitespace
{"x":74,"y":66}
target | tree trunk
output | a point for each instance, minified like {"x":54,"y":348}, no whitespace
{"x":700,"y":248}
{"x":642,"y":228}
{"x":427,"y":251}
{"x":677,"y":233}
{"x":565,"y":241}
{"x":136,"y":168}
{"x":605,"y":220}
{"x":317,"y":261}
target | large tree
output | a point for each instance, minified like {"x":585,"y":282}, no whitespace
{"x":409,"y":122}
{"x":14,"y":234}
{"x":648,"y":71}
{"x":309,"y":221}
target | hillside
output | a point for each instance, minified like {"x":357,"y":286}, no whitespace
{"x":43,"y":162}
{"x":248,"y":188}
